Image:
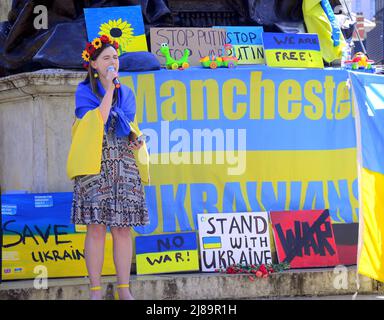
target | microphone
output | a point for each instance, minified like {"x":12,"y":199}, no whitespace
{"x":116,"y":81}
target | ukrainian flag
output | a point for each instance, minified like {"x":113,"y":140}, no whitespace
{"x":319,"y":18}
{"x":211,"y":242}
{"x":368,"y":92}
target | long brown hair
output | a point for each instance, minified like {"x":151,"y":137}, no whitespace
{"x":91,"y":73}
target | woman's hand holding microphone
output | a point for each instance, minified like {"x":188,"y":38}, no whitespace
{"x":112,"y":77}
{"x":113,"y":81}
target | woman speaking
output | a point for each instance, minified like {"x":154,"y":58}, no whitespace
{"x":105,"y":165}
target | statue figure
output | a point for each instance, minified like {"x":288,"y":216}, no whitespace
{"x":24,"y":48}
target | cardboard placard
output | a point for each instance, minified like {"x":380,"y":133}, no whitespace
{"x":38,"y":237}
{"x":304,"y":239}
{"x":247,"y":43}
{"x":199,"y":41}
{"x":122,"y":24}
{"x":167,"y":253}
{"x":231,"y":238}
{"x":292,"y":50}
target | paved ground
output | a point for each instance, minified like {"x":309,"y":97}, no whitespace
{"x":303,"y":284}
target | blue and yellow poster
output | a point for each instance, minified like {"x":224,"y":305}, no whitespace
{"x":247,"y":43}
{"x":122,"y":24}
{"x":37,"y":232}
{"x":167,"y":253}
{"x":292,"y":50}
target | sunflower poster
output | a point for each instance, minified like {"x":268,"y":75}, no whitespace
{"x":122,"y":24}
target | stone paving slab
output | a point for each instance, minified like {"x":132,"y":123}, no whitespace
{"x":201,"y":286}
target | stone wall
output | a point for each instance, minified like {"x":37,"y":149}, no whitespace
{"x":36,"y":115}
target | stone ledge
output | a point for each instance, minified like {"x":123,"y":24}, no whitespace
{"x":198,"y":286}
{"x":43,"y":82}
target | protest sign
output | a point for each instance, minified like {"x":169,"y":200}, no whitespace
{"x":292,"y":50}
{"x":199,"y":41}
{"x":304,"y":238}
{"x":167,"y":253}
{"x":247,"y":44}
{"x":232,"y":238}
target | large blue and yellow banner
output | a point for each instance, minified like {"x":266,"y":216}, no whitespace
{"x":369,"y":96}
{"x":246,"y":140}
{"x":250,"y":139}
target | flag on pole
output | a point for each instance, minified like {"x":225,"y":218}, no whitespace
{"x":368,"y":92}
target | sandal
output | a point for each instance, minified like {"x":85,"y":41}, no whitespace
{"x":97,"y":288}
{"x":120,"y":286}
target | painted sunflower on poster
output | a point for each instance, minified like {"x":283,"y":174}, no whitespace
{"x":120,"y":31}
{"x":121,"y":24}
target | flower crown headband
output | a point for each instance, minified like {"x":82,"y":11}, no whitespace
{"x":97,"y":43}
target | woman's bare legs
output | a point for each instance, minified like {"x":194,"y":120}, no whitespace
{"x":94,"y":256}
{"x":122,"y":256}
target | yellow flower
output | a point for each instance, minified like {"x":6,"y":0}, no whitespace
{"x":97,"y":43}
{"x":119,"y":31}
{"x":85,"y":55}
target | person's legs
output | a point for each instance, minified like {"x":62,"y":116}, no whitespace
{"x":94,"y":256}
{"x":122,"y":255}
